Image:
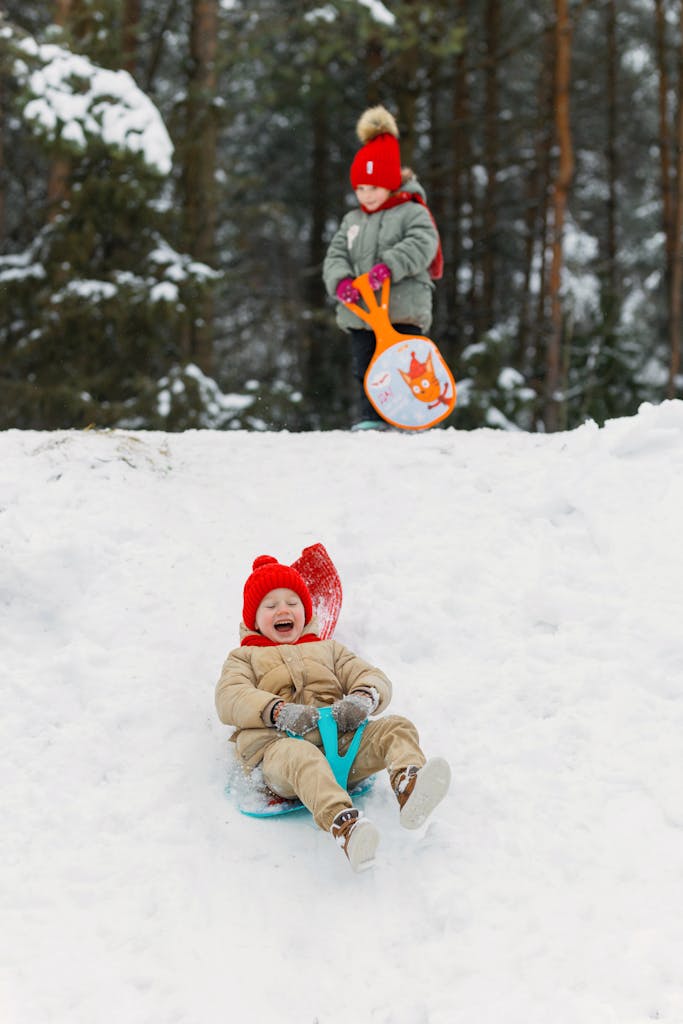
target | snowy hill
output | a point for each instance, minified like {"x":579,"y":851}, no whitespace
{"x":525,"y":595}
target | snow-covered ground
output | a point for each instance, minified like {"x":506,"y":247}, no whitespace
{"x":525,"y":595}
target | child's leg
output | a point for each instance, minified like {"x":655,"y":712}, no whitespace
{"x":362,"y":348}
{"x":390,"y":742}
{"x":294,"y":767}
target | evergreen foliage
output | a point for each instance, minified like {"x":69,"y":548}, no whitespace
{"x":92,"y":306}
{"x":105,"y":288}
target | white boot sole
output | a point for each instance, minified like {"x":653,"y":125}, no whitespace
{"x":363,"y":843}
{"x":431,"y":787}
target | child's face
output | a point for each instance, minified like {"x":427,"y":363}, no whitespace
{"x":372,"y":196}
{"x":280,"y":616}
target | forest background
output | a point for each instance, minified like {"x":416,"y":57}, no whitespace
{"x":177,"y":283}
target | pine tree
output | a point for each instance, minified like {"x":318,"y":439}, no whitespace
{"x":92,"y":305}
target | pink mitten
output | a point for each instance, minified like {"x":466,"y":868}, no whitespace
{"x":379,"y":273}
{"x":346,"y":290}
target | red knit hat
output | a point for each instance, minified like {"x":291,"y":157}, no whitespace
{"x":269,"y":575}
{"x":378,"y":162}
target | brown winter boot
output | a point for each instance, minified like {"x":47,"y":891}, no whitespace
{"x":419,"y":790}
{"x":357,"y":837}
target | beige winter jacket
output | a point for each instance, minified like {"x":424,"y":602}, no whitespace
{"x":317,"y":673}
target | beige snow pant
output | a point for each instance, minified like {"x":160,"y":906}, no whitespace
{"x":294,"y":767}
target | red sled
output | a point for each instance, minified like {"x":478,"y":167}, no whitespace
{"x":322,"y":579}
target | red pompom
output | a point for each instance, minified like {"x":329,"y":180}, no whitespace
{"x":264,"y":560}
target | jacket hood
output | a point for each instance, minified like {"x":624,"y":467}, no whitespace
{"x":411,"y":184}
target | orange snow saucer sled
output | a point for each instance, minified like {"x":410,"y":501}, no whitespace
{"x":407,"y":381}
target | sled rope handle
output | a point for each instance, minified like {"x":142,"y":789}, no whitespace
{"x":340,"y":764}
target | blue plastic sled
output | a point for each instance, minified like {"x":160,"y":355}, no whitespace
{"x":255,"y":799}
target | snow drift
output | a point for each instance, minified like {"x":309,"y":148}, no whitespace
{"x":523,"y":593}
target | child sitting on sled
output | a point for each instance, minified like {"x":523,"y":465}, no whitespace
{"x":270,"y":689}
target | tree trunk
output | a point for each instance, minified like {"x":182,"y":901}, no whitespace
{"x":407,"y":83}
{"x":677,"y":248}
{"x":60,"y":168}
{"x":554,"y":403}
{"x":597,"y":380}
{"x":664,"y":144}
{"x":491,"y":158}
{"x":536,"y":219}
{"x":612,"y":164}
{"x":157,"y":48}
{"x":3,"y":205}
{"x":315,"y":291}
{"x":130,"y":35}
{"x":452,"y":240}
{"x":462,"y":304}
{"x":374,"y":58}
{"x":200,"y":170}
{"x":62,"y":12}
{"x":437,"y":179}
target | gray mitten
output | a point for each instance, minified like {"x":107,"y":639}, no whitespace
{"x":296,"y":718}
{"x":352,"y":710}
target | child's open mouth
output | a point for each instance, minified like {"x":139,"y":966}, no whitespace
{"x":284,"y":626}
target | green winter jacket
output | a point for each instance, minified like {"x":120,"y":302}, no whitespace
{"x":404,"y":238}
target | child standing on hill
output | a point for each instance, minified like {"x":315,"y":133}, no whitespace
{"x":391,"y":234}
{"x":270,"y":689}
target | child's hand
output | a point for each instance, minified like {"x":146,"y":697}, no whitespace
{"x":346,"y":290}
{"x":352,"y":710}
{"x":379,"y":273}
{"x":296,"y":718}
